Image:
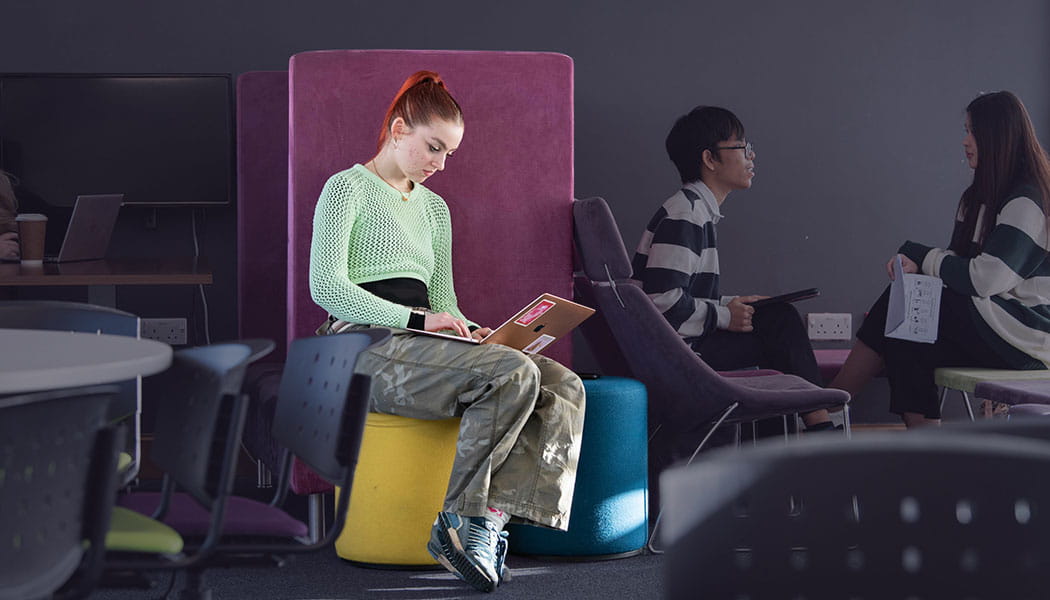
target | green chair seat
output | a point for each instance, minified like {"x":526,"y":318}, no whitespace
{"x":123,"y":462}
{"x":130,"y":531}
{"x":964,"y":380}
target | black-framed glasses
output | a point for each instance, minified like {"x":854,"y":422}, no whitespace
{"x":748,"y":148}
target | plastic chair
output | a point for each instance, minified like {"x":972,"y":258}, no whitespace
{"x":58,"y":474}
{"x":887,"y":516}
{"x":319,"y":419}
{"x":687,"y":399}
{"x":200,"y":415}
{"x":87,"y":318}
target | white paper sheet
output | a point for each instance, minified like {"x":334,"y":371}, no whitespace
{"x":914,"y":306}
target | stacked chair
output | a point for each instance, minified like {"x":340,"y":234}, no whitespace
{"x":319,"y":419}
{"x":949,"y":513}
{"x":58,"y":475}
{"x":88,"y":318}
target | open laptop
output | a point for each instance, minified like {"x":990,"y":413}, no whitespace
{"x":90,"y":228}
{"x":534,"y":327}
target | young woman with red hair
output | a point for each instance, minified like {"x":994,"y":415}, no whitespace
{"x":381,"y":257}
{"x":995,"y":307}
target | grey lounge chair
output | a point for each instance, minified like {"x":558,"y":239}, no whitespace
{"x":688,"y":400}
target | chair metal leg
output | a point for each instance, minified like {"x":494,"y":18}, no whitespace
{"x":966,"y":403}
{"x":944,"y":395}
{"x":725,"y":414}
{"x":846,"y":422}
{"x":263,"y":477}
{"x":784,"y":420}
{"x":315,"y":504}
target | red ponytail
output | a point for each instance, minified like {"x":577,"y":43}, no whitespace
{"x":421,"y":99}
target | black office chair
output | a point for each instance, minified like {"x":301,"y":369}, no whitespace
{"x":200,"y":415}
{"x":58,"y":474}
{"x":881,"y":517}
{"x":319,"y":418}
{"x":87,"y":318}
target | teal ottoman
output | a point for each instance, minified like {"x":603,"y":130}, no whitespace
{"x":610,"y":506}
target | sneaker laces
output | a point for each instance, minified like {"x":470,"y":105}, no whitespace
{"x":482,"y":539}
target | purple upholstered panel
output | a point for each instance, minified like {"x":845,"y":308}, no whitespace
{"x":1014,"y":392}
{"x":262,"y":206}
{"x":244,"y":516}
{"x":830,"y":361}
{"x":509,"y":186}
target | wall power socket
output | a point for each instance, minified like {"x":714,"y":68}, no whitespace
{"x":170,"y":331}
{"x":830,"y":326}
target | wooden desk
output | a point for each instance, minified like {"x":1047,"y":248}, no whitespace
{"x":102,"y":276}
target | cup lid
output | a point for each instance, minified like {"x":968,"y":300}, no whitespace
{"x":31,"y":217}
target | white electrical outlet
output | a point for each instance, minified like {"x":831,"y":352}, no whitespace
{"x":169,"y":331}
{"x":830,"y":326}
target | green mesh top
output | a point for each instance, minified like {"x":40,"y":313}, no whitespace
{"x":364,"y":232}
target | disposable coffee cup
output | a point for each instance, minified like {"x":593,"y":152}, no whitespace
{"x":31,"y":230}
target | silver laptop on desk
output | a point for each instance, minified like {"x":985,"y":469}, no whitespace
{"x":90,"y":228}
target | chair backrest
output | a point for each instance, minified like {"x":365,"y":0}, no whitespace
{"x":56,"y":315}
{"x":67,"y":316}
{"x":886,"y":516}
{"x":58,"y":464}
{"x":321,"y":410}
{"x":200,"y":418}
{"x":511,"y":215}
{"x":682,"y":388}
{"x":322,"y":403}
{"x":262,"y":198}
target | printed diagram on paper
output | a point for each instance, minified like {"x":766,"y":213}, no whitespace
{"x":914,"y":306}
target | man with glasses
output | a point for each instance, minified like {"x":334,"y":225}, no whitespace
{"x":676,"y":262}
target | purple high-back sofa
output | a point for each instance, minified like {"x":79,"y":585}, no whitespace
{"x":509,"y":187}
{"x":262,"y":207}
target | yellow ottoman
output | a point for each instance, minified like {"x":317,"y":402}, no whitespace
{"x":399,"y":488}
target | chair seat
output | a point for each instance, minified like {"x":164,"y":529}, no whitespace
{"x":1029,"y":410}
{"x":244,"y":516}
{"x":965,"y":379}
{"x":123,"y":461}
{"x":1014,"y":391}
{"x":130,"y":531}
{"x":782,"y":394}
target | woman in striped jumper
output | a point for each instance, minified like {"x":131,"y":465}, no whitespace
{"x":995,"y":307}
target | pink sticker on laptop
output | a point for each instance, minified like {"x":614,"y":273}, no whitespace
{"x":534,"y":313}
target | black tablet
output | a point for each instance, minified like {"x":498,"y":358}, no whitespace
{"x":789,"y":297}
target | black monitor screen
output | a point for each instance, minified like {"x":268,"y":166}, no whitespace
{"x":158,"y":139}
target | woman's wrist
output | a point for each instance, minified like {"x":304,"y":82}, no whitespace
{"x":417,"y":317}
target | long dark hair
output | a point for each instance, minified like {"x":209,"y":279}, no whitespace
{"x":1008,"y":156}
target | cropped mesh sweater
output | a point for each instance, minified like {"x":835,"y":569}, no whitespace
{"x":364,"y":232}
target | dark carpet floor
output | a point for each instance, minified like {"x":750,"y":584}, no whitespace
{"x":324,"y":576}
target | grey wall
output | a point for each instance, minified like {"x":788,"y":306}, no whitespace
{"x":855,"y":108}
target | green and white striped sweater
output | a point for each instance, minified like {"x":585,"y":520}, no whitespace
{"x":1008,"y":282}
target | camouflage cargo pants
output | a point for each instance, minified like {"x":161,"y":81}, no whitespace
{"x":521,"y":420}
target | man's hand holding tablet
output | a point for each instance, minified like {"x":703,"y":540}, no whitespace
{"x":789,"y":297}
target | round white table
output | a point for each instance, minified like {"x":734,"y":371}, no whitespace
{"x":33,"y":360}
